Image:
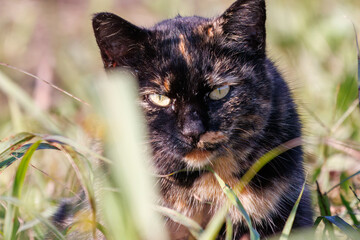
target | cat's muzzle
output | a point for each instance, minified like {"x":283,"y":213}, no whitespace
{"x":206,"y":149}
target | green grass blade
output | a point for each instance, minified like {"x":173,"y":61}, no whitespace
{"x":317,"y":222}
{"x":263,"y":160}
{"x":344,"y":226}
{"x":345,"y":98}
{"x":213,"y":228}
{"x":341,"y":182}
{"x":229,"y":228}
{"x":19,"y":153}
{"x":126,"y":146}
{"x":22,"y":169}
{"x":355,"y":195}
{"x":323,"y":202}
{"x":345,"y":185}
{"x":289,"y":223}
{"x":194,"y":228}
{"x":358,"y":57}
{"x":120,"y":222}
{"x":236,"y":202}
{"x":324,"y":205}
{"x":8,"y":147}
{"x":349,"y":209}
{"x":358,"y":77}
{"x":11,"y":223}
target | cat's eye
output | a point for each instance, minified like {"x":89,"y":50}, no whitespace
{"x":159,"y":100}
{"x":219,"y":92}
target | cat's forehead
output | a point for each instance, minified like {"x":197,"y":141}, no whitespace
{"x":190,"y":59}
{"x":180,"y":24}
{"x":183,"y":58}
{"x":181,"y":31}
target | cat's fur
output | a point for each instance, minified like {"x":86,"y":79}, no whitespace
{"x":186,"y":58}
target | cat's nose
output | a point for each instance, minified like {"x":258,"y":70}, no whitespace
{"x":193,"y":126}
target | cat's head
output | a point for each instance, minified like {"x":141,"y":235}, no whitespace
{"x":202,"y":82}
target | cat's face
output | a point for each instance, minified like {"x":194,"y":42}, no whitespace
{"x":202,"y":82}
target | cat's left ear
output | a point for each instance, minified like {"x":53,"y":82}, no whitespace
{"x":243,"y":24}
{"x":121,"y":43}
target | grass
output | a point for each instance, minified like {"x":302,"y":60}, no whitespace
{"x":311,"y":41}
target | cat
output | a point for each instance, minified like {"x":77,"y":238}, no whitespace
{"x":212,"y":97}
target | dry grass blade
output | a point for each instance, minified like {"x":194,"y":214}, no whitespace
{"x":84,"y":174}
{"x":47,"y":82}
{"x":315,"y":116}
{"x":80,"y":149}
{"x":343,"y":147}
{"x":8,"y":143}
{"x":345,"y":115}
{"x":194,"y":228}
{"x":17,"y":93}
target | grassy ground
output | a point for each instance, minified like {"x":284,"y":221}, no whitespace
{"x":312,"y":42}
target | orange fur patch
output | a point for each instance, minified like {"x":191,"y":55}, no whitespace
{"x":210,"y":31}
{"x":198,"y":155}
{"x":167,"y":85}
{"x":211,"y":137}
{"x":183,"y":49}
{"x":157,"y":81}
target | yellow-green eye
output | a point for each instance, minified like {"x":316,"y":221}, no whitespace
{"x":219,"y":92}
{"x":159,"y":100}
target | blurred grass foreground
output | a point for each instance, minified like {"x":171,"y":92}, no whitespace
{"x":312,"y":42}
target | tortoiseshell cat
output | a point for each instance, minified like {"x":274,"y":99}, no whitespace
{"x":211,"y":97}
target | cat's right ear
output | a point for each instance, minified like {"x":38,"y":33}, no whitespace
{"x":120,"y":42}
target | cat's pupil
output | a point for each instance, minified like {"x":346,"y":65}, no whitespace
{"x":219,"y":93}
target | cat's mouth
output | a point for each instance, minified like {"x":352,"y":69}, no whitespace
{"x":199,"y":157}
{"x":206,"y":149}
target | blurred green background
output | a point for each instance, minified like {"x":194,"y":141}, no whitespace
{"x":311,"y":41}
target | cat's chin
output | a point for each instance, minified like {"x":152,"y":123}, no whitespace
{"x":199,"y":158}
